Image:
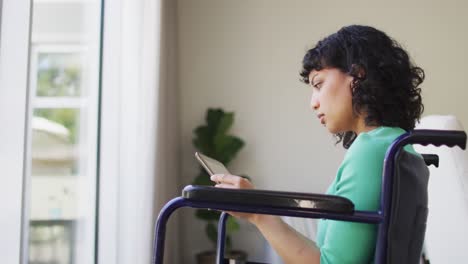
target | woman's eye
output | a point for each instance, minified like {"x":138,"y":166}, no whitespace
{"x":317,"y":85}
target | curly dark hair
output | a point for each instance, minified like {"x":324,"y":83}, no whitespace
{"x":385,"y":85}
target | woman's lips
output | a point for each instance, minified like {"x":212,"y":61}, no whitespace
{"x":321,"y":117}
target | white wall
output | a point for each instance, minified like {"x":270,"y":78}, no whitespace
{"x":245,"y":56}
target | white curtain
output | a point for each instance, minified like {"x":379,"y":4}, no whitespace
{"x":140,"y":122}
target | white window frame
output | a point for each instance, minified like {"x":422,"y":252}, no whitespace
{"x":56,"y":101}
{"x":87,"y":106}
{"x":110,"y":135}
{"x":15,"y":115}
{"x":79,"y":103}
{"x":14,"y":109}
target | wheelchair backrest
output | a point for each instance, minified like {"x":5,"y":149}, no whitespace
{"x":408,"y":217}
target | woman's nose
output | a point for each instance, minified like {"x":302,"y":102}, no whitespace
{"x":314,"y":102}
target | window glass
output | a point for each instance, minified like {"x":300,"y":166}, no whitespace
{"x":59,"y":74}
{"x":62,"y":166}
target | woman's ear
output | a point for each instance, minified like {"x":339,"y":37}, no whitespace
{"x":359,"y":71}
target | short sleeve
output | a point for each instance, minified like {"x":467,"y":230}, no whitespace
{"x":359,"y":179}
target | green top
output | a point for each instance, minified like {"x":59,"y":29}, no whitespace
{"x":359,"y":179}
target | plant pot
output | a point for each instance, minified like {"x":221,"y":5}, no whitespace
{"x":209,"y":257}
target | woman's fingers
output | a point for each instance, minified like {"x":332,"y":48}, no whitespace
{"x":227,"y":186}
{"x":233,"y":182}
{"x":223,"y":180}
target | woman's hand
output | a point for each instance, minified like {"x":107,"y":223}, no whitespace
{"x":290,"y":245}
{"x":234,"y":182}
{"x":231,"y":181}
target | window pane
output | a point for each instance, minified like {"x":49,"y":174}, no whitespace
{"x":64,"y":84}
{"x":54,"y":142}
{"x":58,"y":74}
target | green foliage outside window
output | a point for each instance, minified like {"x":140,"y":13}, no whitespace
{"x":68,"y":117}
{"x":58,"y":75}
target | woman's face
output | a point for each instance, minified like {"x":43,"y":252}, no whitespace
{"x":332,"y":100}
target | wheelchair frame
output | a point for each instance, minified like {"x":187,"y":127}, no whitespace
{"x":312,"y":205}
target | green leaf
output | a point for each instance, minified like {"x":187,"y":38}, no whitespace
{"x":225,"y":123}
{"x":211,"y":232}
{"x":232,"y":225}
{"x":227,"y":147}
{"x":203,"y":140}
{"x":202,"y":179}
{"x":228,"y":243}
{"x":213,"y":118}
{"x":208,"y":215}
{"x":67,"y":117}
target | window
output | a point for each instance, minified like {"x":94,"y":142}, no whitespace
{"x":62,"y":154}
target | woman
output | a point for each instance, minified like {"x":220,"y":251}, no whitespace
{"x":364,"y":91}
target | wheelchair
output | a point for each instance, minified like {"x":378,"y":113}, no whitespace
{"x":401,"y":219}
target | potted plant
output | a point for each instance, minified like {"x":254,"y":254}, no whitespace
{"x":213,"y":140}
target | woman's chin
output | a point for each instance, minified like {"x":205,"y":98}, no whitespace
{"x":332,"y":129}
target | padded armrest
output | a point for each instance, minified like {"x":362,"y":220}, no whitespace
{"x":278,"y":199}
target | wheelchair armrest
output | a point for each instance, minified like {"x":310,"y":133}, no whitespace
{"x":274,"y":199}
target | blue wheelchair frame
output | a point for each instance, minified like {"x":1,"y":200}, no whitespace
{"x":315,"y":206}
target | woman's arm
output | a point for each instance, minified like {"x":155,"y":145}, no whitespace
{"x":292,"y":246}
